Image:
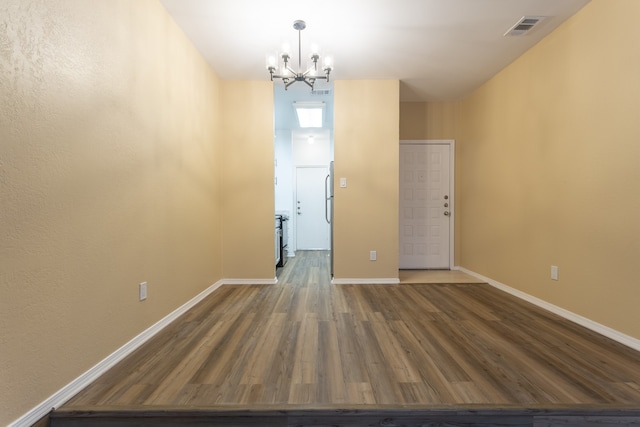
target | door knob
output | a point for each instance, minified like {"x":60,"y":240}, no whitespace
{"x":446,"y":213}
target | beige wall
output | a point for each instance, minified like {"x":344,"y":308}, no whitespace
{"x":428,"y":120}
{"x":247,"y":177}
{"x":366,"y":153}
{"x":109,"y":176}
{"x":548,"y":162}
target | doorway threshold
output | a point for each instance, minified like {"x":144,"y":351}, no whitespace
{"x":436,"y":276}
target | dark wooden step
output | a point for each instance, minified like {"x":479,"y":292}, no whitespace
{"x":383,"y":417}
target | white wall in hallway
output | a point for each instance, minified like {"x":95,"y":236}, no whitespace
{"x":292,"y":148}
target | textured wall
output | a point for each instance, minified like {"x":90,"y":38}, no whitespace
{"x":366,"y":153}
{"x":109,"y":176}
{"x":428,"y":120}
{"x":548,"y":171}
{"x":248,"y":177}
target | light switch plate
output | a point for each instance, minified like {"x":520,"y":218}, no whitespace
{"x":343,"y":182}
{"x":142,"y":291}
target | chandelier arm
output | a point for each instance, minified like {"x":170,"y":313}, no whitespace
{"x":286,"y":85}
{"x":291,"y":70}
{"x":314,"y":67}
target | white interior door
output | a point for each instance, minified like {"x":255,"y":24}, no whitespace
{"x":425,"y":206}
{"x":312,"y":229}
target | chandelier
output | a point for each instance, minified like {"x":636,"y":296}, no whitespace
{"x":290,"y":76}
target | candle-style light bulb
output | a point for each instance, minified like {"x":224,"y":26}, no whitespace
{"x":272,"y":62}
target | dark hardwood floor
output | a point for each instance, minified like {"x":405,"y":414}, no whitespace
{"x":308,"y":353}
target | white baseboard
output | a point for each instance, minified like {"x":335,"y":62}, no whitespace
{"x":608,"y":332}
{"x":389,"y":281}
{"x":67,"y":392}
{"x":250,"y":281}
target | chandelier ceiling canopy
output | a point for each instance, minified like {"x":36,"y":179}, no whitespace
{"x":288,"y":75}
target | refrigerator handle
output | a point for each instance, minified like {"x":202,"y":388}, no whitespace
{"x":326,"y":200}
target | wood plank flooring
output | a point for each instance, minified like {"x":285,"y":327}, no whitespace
{"x":306,"y":345}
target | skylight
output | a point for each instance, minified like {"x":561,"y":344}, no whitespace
{"x":310,"y":114}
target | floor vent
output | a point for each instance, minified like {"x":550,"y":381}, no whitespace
{"x":524,"y":25}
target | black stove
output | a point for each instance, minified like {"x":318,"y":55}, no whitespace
{"x":282,"y":224}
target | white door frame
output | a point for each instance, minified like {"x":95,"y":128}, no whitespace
{"x":452,"y":208}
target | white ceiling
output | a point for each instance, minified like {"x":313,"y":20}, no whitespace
{"x":438,"y":49}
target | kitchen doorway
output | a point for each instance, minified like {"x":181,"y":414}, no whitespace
{"x":297,"y":147}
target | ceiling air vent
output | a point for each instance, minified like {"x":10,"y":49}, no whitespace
{"x":320,"y":92}
{"x":524,"y":25}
